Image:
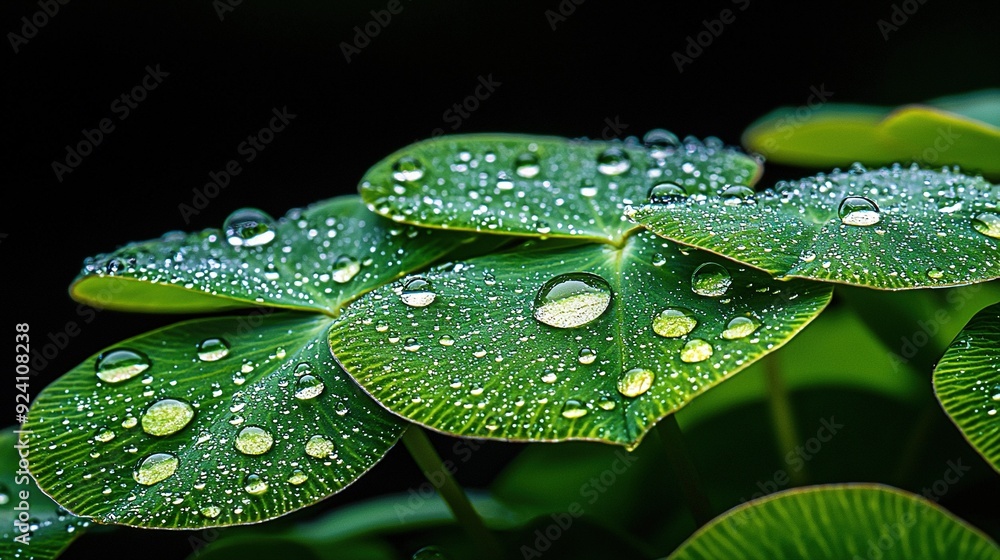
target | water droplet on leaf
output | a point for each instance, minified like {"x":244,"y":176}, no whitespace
{"x":253,"y":440}
{"x":249,"y":227}
{"x":121,"y":364}
{"x":635,"y":382}
{"x":572,"y":300}
{"x":674,"y":322}
{"x":417,"y":292}
{"x":167,"y":416}
{"x":154,"y":468}
{"x":858,"y":211}
{"x":711,"y":280}
{"x":212,"y":349}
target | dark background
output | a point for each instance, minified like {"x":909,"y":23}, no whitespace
{"x":604,"y":62}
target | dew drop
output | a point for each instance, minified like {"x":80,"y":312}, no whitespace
{"x":104,"y":435}
{"x":635,"y":382}
{"x":573,"y":409}
{"x":407,"y":168}
{"x":121,"y":364}
{"x":935,"y":274}
{"x":297,"y":477}
{"x":740,"y":327}
{"x":711,"y":280}
{"x":674,"y":322}
{"x":696,"y":350}
{"x":588,"y":189}
{"x":308,"y":387}
{"x":154,"y":468}
{"x":211,"y":512}
{"x":254,"y":485}
{"x":606,"y":403}
{"x":345,"y":268}
{"x":411,"y":345}
{"x":613,"y":161}
{"x":736,"y":195}
{"x":587,"y":356}
{"x":303,"y":368}
{"x":417,"y":292}
{"x":212,"y":349}
{"x":167,"y":416}
{"x":987,"y":224}
{"x":253,"y":440}
{"x":858,"y":211}
{"x":526,"y":165}
{"x":664,"y":193}
{"x":319,"y":447}
{"x":572,"y":300}
{"x":249,"y":227}
{"x":660,"y":142}
{"x":446,"y":340}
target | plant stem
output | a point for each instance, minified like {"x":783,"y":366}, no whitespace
{"x":782,"y":415}
{"x":430,"y":464}
{"x":672,"y":442}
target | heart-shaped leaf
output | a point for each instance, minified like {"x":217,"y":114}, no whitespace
{"x":548,"y":343}
{"x":543,"y":186}
{"x":836,"y":522}
{"x":313,"y":259}
{"x":958,"y":130}
{"x":33,"y":526}
{"x":967,"y":382}
{"x":208,"y":422}
{"x":892,"y":229}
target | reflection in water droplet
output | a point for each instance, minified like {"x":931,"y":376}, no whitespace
{"x":635,"y":382}
{"x":254,"y":485}
{"x":664,"y":193}
{"x":987,"y":224}
{"x":696,"y":350}
{"x":711,"y":280}
{"x":858,"y":211}
{"x":121,"y":364}
{"x":154,"y":468}
{"x":344,"y":269}
{"x":104,"y":435}
{"x":212,"y":349}
{"x":407,"y":168}
{"x":249,"y":227}
{"x":446,"y":340}
{"x":167,"y":416}
{"x":297,"y":477}
{"x":308,"y":387}
{"x":211,"y":512}
{"x":417,"y":292}
{"x":660,"y":142}
{"x":935,"y":274}
{"x":740,"y":327}
{"x":527,"y":165}
{"x":319,"y":447}
{"x":253,"y":440}
{"x":613,"y":161}
{"x":587,"y":356}
{"x":736,"y":194}
{"x":572,"y":300}
{"x":573,"y":409}
{"x":606,"y":403}
{"x":674,"y":322}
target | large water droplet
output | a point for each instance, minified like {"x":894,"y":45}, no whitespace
{"x":417,"y":292}
{"x":987,"y":224}
{"x":254,"y":485}
{"x":696,"y":350}
{"x":104,"y":435}
{"x":154,"y":468}
{"x":319,"y":447}
{"x":587,"y":356}
{"x":711,"y":280}
{"x":858,"y":211}
{"x":740,"y":327}
{"x":308,"y":387}
{"x":344,"y":269}
{"x":664,"y":193}
{"x":736,"y":194}
{"x":253,"y":440}
{"x":527,"y":165}
{"x":935,"y":273}
{"x":613,"y":161}
{"x":167,"y":416}
{"x":249,"y":227}
{"x":660,"y":142}
{"x":211,"y":512}
{"x":573,"y":409}
{"x":121,"y":364}
{"x":297,"y":477}
{"x":674,"y":322}
{"x":212,"y":349}
{"x":572,"y":300}
{"x":407,"y":168}
{"x":635,"y":382}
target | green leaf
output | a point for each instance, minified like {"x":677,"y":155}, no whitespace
{"x":837,"y":522}
{"x":956,"y":130}
{"x":891,"y":229}
{"x":967,"y":382}
{"x":543,"y":186}
{"x":42,"y":528}
{"x":167,"y":430}
{"x":314,"y":259}
{"x":466,"y":349}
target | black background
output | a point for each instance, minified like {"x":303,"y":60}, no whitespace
{"x":604,"y":62}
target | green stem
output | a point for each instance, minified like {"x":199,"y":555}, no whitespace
{"x":672,"y":442}
{"x":430,"y":464}
{"x":782,"y":415}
